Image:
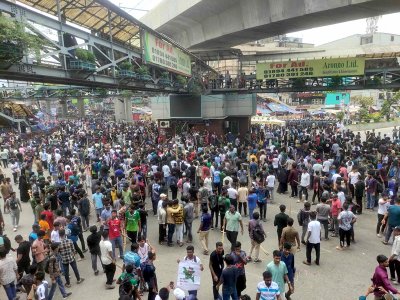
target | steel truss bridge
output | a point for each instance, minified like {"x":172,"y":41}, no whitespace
{"x":110,"y":33}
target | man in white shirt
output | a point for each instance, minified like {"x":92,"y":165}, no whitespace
{"x":233,"y":195}
{"x":317,"y":167}
{"x":167,"y":174}
{"x":326,"y":166}
{"x":304,"y":184}
{"x":313,"y":239}
{"x":192,"y":259}
{"x":353,"y":178}
{"x":270,"y":181}
{"x":107,"y":260}
{"x":55,"y":236}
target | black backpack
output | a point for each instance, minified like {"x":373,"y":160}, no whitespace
{"x":13,"y":204}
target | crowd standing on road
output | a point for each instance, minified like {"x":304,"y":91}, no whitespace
{"x":123,"y":175}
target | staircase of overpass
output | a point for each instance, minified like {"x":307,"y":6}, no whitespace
{"x":111,"y":35}
{"x":216,"y":24}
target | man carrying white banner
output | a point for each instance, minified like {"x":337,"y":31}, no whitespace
{"x":189,"y":272}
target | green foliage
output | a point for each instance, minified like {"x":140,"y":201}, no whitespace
{"x":91,"y":57}
{"x":126,"y":65}
{"x":81,"y":54}
{"x":127,"y":94}
{"x":376,"y":116}
{"x":181,"y":79}
{"x":14,"y":39}
{"x":165,"y":75}
{"x":388,"y":103}
{"x":364,"y":114}
{"x":85,"y":55}
{"x":143,"y":70}
{"x":340,"y":116}
{"x":364,"y":102}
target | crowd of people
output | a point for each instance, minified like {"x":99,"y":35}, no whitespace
{"x":124,"y":174}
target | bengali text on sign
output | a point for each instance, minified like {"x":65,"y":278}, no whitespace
{"x":351,"y":66}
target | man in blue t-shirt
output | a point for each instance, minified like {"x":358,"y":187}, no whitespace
{"x":98,"y":203}
{"x":204,"y":229}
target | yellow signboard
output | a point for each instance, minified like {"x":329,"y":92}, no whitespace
{"x":350,"y":66}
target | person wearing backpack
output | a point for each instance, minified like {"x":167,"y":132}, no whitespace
{"x":149,"y":276}
{"x":84,"y":210}
{"x":173,"y":185}
{"x":188,"y":214}
{"x":55,"y":274}
{"x":128,"y":277}
{"x":257,"y":236}
{"x":223,"y":206}
{"x":303,"y":217}
{"x":13,"y":205}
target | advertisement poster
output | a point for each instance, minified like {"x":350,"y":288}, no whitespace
{"x":161,"y":53}
{"x":188,"y":276}
{"x":350,"y":66}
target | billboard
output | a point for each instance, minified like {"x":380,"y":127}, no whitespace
{"x":163,"y":54}
{"x":337,"y":99}
{"x":331,"y":67}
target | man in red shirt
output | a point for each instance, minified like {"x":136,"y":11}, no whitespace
{"x":114,"y":233}
{"x":67,"y":174}
{"x":49,"y":215}
{"x":336,"y":208}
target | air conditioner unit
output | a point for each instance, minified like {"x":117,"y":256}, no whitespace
{"x":164,"y":124}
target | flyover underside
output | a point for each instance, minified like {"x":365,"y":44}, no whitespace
{"x":252,"y":20}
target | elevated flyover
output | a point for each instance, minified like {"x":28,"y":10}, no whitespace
{"x":211,"y":24}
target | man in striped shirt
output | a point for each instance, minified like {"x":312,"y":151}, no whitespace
{"x":267,"y":289}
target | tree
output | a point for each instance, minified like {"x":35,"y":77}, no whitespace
{"x":340,"y":116}
{"x":364,"y":102}
{"x":388,"y":102}
{"x":15,"y":39}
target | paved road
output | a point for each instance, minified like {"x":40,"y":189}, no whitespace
{"x":341,"y":275}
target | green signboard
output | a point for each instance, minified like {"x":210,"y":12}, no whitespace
{"x":161,"y":53}
{"x":350,"y":66}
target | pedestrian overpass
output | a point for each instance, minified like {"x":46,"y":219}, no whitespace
{"x":121,"y":52}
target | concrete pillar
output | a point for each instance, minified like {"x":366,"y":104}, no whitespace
{"x":64,"y":108}
{"x":48,"y":107}
{"x":123,"y":110}
{"x":81,"y":107}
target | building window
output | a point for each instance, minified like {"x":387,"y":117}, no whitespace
{"x":366,"y":40}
